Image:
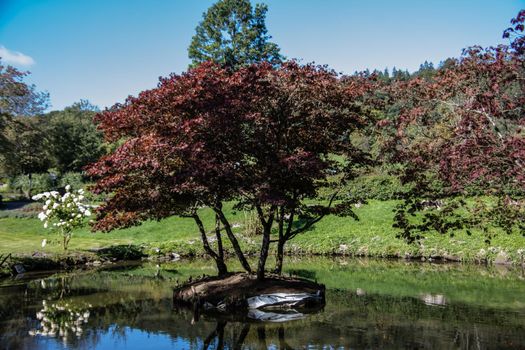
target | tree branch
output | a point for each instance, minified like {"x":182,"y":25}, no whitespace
{"x":292,"y":234}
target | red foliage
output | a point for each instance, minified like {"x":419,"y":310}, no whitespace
{"x":464,"y":128}
{"x":465,"y":120}
{"x":261,"y":135}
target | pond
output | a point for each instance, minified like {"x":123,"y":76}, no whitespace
{"x":369,"y":304}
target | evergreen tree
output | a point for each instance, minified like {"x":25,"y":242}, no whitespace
{"x":426,"y":70}
{"x":233,"y":33}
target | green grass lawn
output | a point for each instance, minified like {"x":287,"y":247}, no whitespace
{"x":372,"y":236}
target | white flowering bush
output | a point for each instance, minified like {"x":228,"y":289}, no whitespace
{"x":63,"y":213}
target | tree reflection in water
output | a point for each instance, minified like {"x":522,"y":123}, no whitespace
{"x":238,"y":340}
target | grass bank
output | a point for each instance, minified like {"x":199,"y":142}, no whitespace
{"x":371,"y":236}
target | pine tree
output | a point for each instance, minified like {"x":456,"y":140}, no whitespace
{"x":233,"y":33}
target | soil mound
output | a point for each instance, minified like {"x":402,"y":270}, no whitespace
{"x":241,"y":291}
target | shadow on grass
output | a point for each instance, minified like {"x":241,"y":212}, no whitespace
{"x":308,"y":274}
{"x":121,"y":252}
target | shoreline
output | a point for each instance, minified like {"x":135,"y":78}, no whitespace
{"x":58,"y":262}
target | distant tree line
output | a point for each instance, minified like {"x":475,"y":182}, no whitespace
{"x":39,"y":148}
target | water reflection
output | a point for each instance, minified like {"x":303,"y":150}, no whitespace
{"x":61,"y":319}
{"x":130,"y":308}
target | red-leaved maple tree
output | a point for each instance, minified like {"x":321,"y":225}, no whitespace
{"x":463,"y":129}
{"x":261,"y":136}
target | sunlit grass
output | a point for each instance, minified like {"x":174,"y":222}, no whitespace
{"x":372,"y":235}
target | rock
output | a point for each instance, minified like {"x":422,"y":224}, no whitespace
{"x":434,"y":299}
{"x":19,"y":269}
{"x":360,"y":292}
{"x":278,"y":317}
{"x":452,"y":258}
{"x":175,"y":256}
{"x":97,"y":263}
{"x":287,"y":300}
{"x":502,"y":259}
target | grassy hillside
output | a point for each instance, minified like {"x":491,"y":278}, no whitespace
{"x":371,"y":236}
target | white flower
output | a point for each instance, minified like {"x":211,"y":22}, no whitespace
{"x":44,"y":242}
{"x":42,"y":216}
{"x":81,"y":197}
{"x":45,"y":224}
{"x":48,"y":202}
{"x":68,"y":187}
{"x":87,"y":212}
{"x":37,"y":197}
{"x":81,"y":191}
{"x":45,"y":207}
{"x":55,"y":205}
{"x":46,"y":194}
{"x":48,"y":211}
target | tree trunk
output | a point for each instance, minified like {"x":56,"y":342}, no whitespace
{"x":280,"y":243}
{"x":263,"y":255}
{"x":222,"y":269}
{"x":265,"y":246}
{"x":30,"y":189}
{"x":280,"y":256}
{"x":283,"y":237}
{"x":233,"y":239}
{"x":221,"y":265}
{"x":220,"y":249}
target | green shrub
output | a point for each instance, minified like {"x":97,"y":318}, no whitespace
{"x":373,"y":186}
{"x":39,"y":183}
{"x":122,"y":252}
{"x":75,"y":180}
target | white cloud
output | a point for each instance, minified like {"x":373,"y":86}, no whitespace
{"x":15,"y":58}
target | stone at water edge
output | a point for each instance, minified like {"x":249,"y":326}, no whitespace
{"x":502,"y":259}
{"x":19,"y":269}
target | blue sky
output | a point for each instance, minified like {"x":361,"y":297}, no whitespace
{"x":105,"y":50}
